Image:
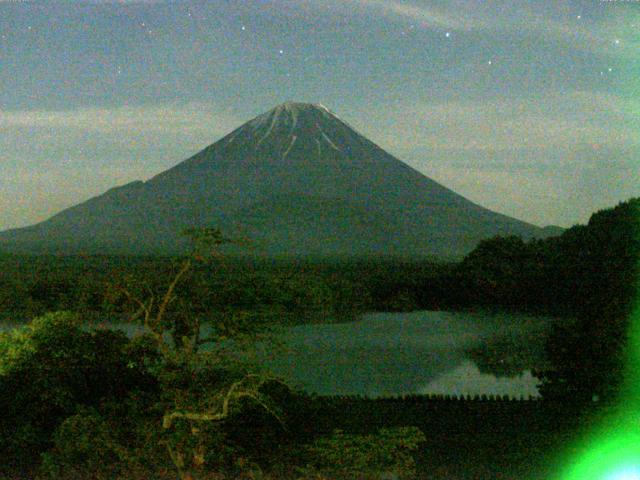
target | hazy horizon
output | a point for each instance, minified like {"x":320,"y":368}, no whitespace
{"x":525,"y":108}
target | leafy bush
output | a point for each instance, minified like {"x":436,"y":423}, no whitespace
{"x":49,"y":369}
{"x":84,"y":445}
{"x":353,"y":456}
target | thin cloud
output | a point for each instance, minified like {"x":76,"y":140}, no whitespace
{"x":189,"y":118}
{"x":424,"y":16}
{"x":89,"y":150}
{"x":539,"y":121}
{"x":420,"y":16}
{"x":606,"y":36}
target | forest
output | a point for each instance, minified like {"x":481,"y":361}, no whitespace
{"x":171,"y":404}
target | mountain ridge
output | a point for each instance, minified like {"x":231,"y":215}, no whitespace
{"x":263,"y":179}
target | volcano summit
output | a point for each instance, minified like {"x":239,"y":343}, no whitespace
{"x":297,"y":181}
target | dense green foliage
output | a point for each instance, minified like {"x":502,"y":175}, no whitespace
{"x":294,"y":291}
{"x":51,"y":368}
{"x":589,"y":275}
{"x":586,"y":266}
{"x":343,"y":455}
{"x":600,"y":281}
{"x":95,"y":400}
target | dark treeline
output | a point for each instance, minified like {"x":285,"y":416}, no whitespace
{"x":577,"y":272}
{"x":31,"y":286}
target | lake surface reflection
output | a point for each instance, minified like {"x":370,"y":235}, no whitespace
{"x":386,"y":354}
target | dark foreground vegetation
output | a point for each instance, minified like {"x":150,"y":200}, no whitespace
{"x":81,"y":402}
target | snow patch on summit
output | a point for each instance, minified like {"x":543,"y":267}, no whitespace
{"x":274,"y":121}
{"x":292,"y":116}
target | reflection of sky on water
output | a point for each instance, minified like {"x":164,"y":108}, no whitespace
{"x":395,"y":354}
{"x":371,"y":371}
{"x":466,"y":379}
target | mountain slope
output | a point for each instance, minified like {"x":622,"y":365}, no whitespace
{"x":297,"y":180}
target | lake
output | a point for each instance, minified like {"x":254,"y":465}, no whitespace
{"x":424,"y":352}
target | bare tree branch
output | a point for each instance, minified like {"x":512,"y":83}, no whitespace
{"x":168,"y":296}
{"x":233,"y":394}
{"x":143,"y":306}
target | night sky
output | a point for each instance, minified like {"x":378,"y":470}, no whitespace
{"x":530,"y":108}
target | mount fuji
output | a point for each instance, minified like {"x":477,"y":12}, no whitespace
{"x":296,"y":181}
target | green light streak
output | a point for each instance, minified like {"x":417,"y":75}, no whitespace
{"x":614,"y":453}
{"x":632,"y":473}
